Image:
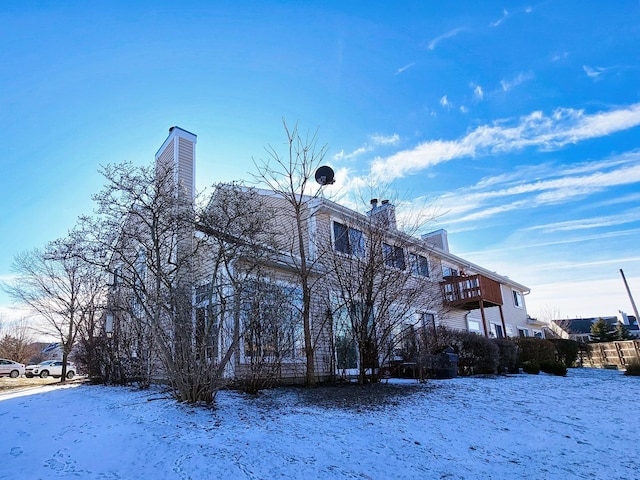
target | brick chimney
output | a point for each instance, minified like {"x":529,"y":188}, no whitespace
{"x":385,"y":212}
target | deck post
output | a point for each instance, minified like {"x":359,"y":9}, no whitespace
{"x":484,"y":320}
{"x":504,"y":325}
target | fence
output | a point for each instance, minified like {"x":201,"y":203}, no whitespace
{"x":610,"y":354}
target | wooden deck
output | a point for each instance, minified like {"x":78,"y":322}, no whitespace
{"x":471,"y":292}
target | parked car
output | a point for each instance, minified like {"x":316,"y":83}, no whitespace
{"x":11,"y":368}
{"x":49,"y":367}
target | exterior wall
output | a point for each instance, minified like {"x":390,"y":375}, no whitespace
{"x":186,"y":165}
{"x":284,"y":223}
{"x":455,"y":320}
{"x":514,"y":316}
{"x":178,"y":153}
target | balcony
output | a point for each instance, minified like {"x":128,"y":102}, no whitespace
{"x":470,"y":292}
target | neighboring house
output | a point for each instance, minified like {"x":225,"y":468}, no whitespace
{"x":579,"y":329}
{"x":445,"y":289}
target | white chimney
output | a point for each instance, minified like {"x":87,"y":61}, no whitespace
{"x":178,"y":152}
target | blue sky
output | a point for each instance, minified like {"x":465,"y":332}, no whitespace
{"x":518,"y":121}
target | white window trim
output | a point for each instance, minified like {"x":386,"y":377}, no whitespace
{"x":298,"y":359}
{"x":348,"y":227}
{"x":518,"y":299}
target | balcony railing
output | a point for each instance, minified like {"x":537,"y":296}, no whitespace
{"x":469,"y":291}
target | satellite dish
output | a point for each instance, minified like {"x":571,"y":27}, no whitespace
{"x":324,"y":175}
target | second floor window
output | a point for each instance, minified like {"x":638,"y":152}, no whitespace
{"x":419,"y":265}
{"x":393,"y":256}
{"x":348,"y":240}
{"x":448,"y":271}
{"x":517,"y":299}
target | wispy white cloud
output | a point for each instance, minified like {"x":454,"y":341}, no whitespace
{"x":451,"y":33}
{"x":386,"y":140}
{"x":341,"y":155}
{"x":505,"y":14}
{"x":535,"y":244}
{"x":505,"y":194}
{"x":518,"y":80}
{"x":556,"y":57}
{"x":539,"y":186}
{"x":376,"y":140}
{"x":618,"y":199}
{"x":478,"y":93}
{"x":622,"y":218}
{"x":406,"y":67}
{"x":592,"y":72}
{"x":564,"y":126}
{"x":444,"y":101}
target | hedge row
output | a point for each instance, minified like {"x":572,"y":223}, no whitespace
{"x":481,"y":355}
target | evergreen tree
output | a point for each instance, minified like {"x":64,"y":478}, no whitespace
{"x":622,"y":332}
{"x":601,"y":331}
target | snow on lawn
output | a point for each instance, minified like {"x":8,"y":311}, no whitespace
{"x":524,"y":426}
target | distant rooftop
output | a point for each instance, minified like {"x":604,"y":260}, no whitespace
{"x":578,"y":326}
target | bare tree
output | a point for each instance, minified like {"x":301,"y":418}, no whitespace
{"x":290,"y":176}
{"x":16,"y":339}
{"x":383,"y":290}
{"x":229,"y":305}
{"x":548,"y":313}
{"x":58,"y":286}
{"x":177,"y":267}
{"x":145,"y":228}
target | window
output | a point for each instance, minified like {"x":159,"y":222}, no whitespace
{"x":201,"y":327}
{"x":345,"y":341}
{"x":207,"y":318}
{"x":348,"y":240}
{"x":405,"y":343}
{"x":347,"y":317}
{"x":393,"y":256}
{"x":205,"y":293}
{"x":474,"y":326}
{"x":523,"y":332}
{"x":428,"y":320}
{"x":141,"y":265}
{"x":497,"y":329}
{"x":419,"y":265}
{"x":517,"y":299}
{"x":116,"y":276}
{"x":448,"y":271}
{"x":271,"y":320}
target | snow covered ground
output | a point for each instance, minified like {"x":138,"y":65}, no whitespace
{"x":584,"y":425}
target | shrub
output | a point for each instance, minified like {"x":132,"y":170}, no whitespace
{"x":531,"y":367}
{"x":535,"y":349}
{"x":554,"y":368}
{"x":566,"y":351}
{"x":477,"y":354}
{"x":633,"y":368}
{"x":507,"y":355}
